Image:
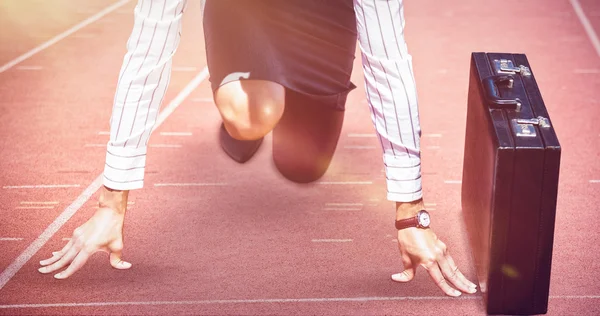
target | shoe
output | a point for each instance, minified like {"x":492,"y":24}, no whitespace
{"x":239,"y":150}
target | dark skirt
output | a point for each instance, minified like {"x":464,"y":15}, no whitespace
{"x":307,"y":46}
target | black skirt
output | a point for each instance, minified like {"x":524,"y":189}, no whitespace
{"x":307,"y":46}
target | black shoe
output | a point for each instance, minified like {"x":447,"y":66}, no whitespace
{"x":239,"y":150}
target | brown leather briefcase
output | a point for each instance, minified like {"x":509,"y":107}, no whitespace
{"x":509,"y":184}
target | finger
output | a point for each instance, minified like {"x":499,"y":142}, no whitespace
{"x":116,"y":261}
{"x":66,"y":247}
{"x":409,"y":270}
{"x":55,"y":257}
{"x":68,"y":257}
{"x":459,"y":273}
{"x":57,"y":254}
{"x":436,"y":275}
{"x":452,"y":273}
{"x":75,"y":265}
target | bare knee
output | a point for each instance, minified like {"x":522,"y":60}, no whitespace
{"x":250,"y":109}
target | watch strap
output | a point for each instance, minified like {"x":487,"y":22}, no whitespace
{"x":407,"y":222}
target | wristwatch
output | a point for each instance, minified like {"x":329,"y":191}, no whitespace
{"x":421,"y":220}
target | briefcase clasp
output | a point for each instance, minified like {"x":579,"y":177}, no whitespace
{"x":540,"y":120}
{"x":506,"y":66}
{"x":524,"y":127}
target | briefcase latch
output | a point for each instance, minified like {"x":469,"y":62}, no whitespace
{"x":524,"y":127}
{"x":540,"y":120}
{"x":506,"y":66}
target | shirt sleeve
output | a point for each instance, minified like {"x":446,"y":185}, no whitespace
{"x":143,"y":81}
{"x":391,"y":94}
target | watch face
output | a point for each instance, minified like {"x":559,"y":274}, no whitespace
{"x":424,"y":219}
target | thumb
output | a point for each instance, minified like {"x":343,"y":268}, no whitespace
{"x":115,"y":257}
{"x":409,"y":270}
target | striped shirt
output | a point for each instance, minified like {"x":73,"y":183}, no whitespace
{"x":387,"y":68}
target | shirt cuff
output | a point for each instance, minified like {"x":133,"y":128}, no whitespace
{"x":124,"y":168}
{"x":403,"y":178}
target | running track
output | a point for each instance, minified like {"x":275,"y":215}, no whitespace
{"x":242,"y":240}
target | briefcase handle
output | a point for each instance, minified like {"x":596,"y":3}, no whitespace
{"x":496,"y":102}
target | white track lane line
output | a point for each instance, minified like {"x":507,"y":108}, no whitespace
{"x":246,"y":301}
{"x":452,"y":181}
{"x":332,"y":240}
{"x":345,"y":182}
{"x":42,"y":186}
{"x":279,"y":301}
{"x":341,"y":209}
{"x":594,"y":181}
{"x":68,"y":212}
{"x":151,"y":145}
{"x":62,"y":35}
{"x":589,"y":29}
{"x":39,"y":203}
{"x":175,"y":133}
{"x":197,"y":184}
{"x":45,"y":207}
{"x":10,"y":239}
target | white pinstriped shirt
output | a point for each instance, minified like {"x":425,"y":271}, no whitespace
{"x":387,"y":68}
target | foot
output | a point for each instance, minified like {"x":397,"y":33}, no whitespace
{"x":239,"y":150}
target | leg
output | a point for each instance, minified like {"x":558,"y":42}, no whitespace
{"x":305,"y":139}
{"x":250,"y":108}
{"x":260,"y":42}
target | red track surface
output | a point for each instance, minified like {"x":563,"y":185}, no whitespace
{"x":246,"y":246}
